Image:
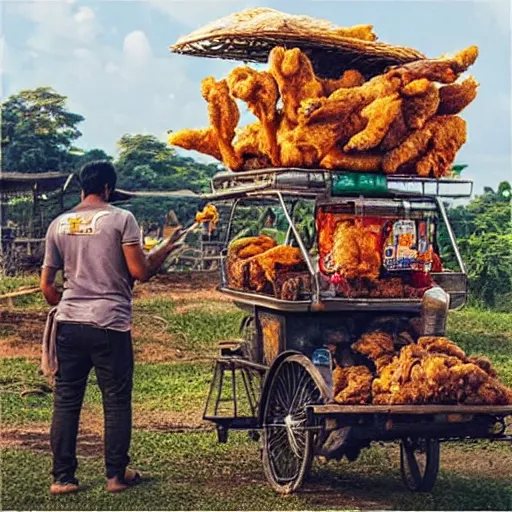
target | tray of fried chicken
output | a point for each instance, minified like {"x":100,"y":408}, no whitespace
{"x":428,"y":370}
{"x":402,"y":121}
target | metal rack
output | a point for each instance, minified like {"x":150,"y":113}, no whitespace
{"x":315,"y":182}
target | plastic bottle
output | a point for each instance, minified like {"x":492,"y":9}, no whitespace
{"x":434,"y":312}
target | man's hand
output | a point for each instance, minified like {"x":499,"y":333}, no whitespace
{"x":141,"y":266}
{"x":50,"y":291}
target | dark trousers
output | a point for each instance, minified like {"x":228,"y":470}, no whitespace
{"x":81,"y":347}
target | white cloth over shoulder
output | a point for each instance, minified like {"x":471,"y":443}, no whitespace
{"x":49,"y":362}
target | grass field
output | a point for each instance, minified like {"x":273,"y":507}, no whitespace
{"x":175,"y":339}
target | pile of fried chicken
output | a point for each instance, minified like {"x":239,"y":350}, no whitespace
{"x":257,"y":263}
{"x":432,"y":371}
{"x":403,"y":121}
{"x":351,"y":259}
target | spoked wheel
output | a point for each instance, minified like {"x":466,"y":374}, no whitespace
{"x":287,"y":450}
{"x":419,"y":463}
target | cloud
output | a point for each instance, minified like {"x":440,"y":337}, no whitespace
{"x":500,"y":12}
{"x":59,"y":25}
{"x":118,"y":83}
{"x":136,"y":48}
{"x":195,"y":13}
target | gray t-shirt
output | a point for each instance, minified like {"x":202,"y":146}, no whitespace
{"x":87,"y":243}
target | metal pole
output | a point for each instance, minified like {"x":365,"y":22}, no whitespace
{"x":451,"y":235}
{"x":302,"y":247}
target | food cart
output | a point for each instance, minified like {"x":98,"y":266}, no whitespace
{"x":277,"y":380}
{"x":303,"y":315}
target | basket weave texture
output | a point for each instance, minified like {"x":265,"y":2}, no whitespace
{"x":251,"y":34}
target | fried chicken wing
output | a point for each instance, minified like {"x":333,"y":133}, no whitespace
{"x":244,"y":248}
{"x":442,"y":345}
{"x":204,"y":141}
{"x":224,"y":116}
{"x":364,"y":162}
{"x":397,"y":133}
{"x":310,"y":143}
{"x":264,"y":267}
{"x":379,"y":114}
{"x":352,"y":385}
{"x":209,"y":214}
{"x":416,"y":88}
{"x":259,"y":90}
{"x":295,"y":77}
{"x":374,"y":345}
{"x":350,"y":78}
{"x":239,"y":253}
{"x":418,"y":109}
{"x":356,"y":251}
{"x":363,"y":32}
{"x":456,"y":97}
{"x":444,"y":134}
{"x":485,"y":364}
{"x":445,"y":70}
{"x":248,"y":140}
{"x":448,"y":136}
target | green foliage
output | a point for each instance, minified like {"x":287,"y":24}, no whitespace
{"x":38,"y":131}
{"x":483,"y":229}
{"x":145,"y":163}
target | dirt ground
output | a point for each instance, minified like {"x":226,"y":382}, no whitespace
{"x":21,"y":331}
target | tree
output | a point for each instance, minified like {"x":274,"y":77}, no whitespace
{"x":146,"y":163}
{"x":483,"y":230}
{"x":84,"y":157}
{"x":38,"y":131}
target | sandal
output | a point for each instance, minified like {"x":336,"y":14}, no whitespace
{"x":118,"y":484}
{"x":63,"y":487}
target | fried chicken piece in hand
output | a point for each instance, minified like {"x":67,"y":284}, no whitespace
{"x":456,"y":97}
{"x":374,"y":345}
{"x":448,"y":135}
{"x":224,"y":116}
{"x":350,"y":78}
{"x":259,"y":90}
{"x":352,"y":385}
{"x":365,"y":162}
{"x":379,"y":114}
{"x":295,"y":77}
{"x":203,"y":140}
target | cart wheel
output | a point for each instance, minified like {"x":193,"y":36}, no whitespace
{"x":248,"y":334}
{"x":419,"y":463}
{"x":222,"y":434}
{"x":287,"y":445}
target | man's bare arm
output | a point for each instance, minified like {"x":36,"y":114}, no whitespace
{"x":144,"y":266}
{"x":48,"y":286}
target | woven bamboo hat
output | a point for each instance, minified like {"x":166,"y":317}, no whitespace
{"x":251,"y":34}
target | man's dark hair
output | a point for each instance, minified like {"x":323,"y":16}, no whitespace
{"x":95,"y":175}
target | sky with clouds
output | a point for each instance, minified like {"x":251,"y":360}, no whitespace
{"x":111,"y":59}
